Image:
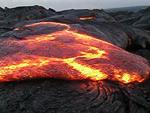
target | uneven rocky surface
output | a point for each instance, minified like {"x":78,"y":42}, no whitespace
{"x":58,"y":96}
{"x":10,"y":16}
{"x":138,"y":19}
{"x":63,"y":96}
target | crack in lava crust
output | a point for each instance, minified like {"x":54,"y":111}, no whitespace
{"x":69,"y":55}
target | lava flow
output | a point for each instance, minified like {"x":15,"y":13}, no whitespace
{"x":87,"y":18}
{"x":67,"y":54}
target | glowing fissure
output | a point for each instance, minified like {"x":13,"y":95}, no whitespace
{"x":87,"y":18}
{"x":127,"y":78}
{"x":93,"y":50}
{"x":98,"y":54}
{"x":12,"y":68}
{"x":87,"y":72}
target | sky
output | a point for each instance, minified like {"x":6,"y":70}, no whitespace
{"x":74,"y":4}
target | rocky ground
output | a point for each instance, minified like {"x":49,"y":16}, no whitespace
{"x":128,"y":30}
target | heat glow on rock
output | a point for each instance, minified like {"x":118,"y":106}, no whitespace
{"x":67,"y":54}
{"x":87,"y":18}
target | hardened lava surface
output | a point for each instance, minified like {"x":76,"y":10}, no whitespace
{"x":59,"y":96}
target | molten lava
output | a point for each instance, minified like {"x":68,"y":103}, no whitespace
{"x":67,"y":54}
{"x":87,"y":18}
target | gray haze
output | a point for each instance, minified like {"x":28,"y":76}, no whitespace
{"x":74,"y":4}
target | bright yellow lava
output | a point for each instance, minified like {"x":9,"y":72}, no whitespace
{"x":90,"y":55}
{"x":87,"y":72}
{"x":12,"y":68}
{"x":126,"y":77}
{"x":42,"y":38}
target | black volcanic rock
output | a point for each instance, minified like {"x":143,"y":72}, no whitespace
{"x":73,"y":16}
{"x":121,"y":15}
{"x":27,"y":13}
{"x":1,"y":14}
{"x":100,"y":15}
{"x":10,"y":16}
{"x":127,"y":9}
{"x":143,"y":22}
{"x":144,"y":52}
{"x":58,"y":96}
{"x":138,"y":19}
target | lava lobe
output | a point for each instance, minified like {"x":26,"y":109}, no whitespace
{"x":67,"y":54}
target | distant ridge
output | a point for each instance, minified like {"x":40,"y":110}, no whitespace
{"x":130,"y":9}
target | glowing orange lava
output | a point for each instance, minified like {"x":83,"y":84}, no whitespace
{"x":87,"y":18}
{"x":69,"y":55}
